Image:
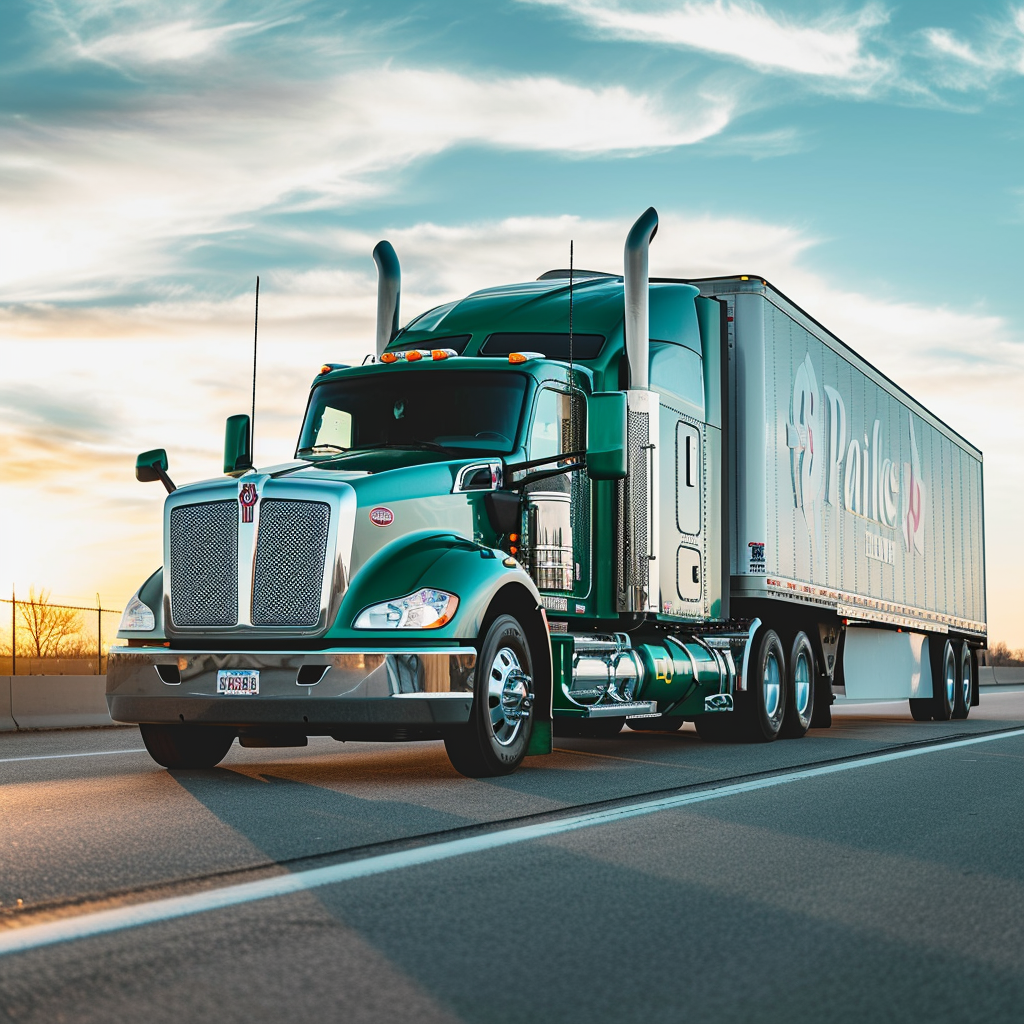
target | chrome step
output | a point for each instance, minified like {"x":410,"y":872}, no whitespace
{"x":632,"y":709}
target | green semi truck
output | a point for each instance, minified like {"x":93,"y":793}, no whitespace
{"x":561,"y":507}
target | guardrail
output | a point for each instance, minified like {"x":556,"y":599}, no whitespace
{"x":53,"y":702}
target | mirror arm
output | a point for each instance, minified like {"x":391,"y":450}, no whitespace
{"x":165,"y":479}
{"x":542,"y":469}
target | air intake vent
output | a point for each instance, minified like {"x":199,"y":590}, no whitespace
{"x":290,"y":551}
{"x":204,"y":564}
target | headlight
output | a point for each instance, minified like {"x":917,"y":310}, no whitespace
{"x":138,"y":616}
{"x":426,"y":609}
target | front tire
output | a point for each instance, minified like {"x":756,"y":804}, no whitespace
{"x":187,"y":746}
{"x":495,"y":739}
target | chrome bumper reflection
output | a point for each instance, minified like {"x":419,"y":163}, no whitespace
{"x":331,"y":674}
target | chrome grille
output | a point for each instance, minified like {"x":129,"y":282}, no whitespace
{"x":204,"y":564}
{"x":290,"y":549}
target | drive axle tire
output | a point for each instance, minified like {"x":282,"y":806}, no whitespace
{"x":921,"y":709}
{"x":965,"y":683}
{"x":495,"y":739}
{"x":801,"y":677}
{"x":764,"y":703}
{"x":187,"y":746}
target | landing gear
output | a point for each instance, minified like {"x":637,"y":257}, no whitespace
{"x":187,"y":746}
{"x":495,"y":739}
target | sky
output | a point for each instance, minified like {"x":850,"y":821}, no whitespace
{"x":155,"y":157}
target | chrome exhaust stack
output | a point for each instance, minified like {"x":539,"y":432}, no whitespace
{"x":639,"y":493}
{"x":389,"y":293}
{"x":637,"y":296}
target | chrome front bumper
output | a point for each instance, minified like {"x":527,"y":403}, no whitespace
{"x":358,"y":693}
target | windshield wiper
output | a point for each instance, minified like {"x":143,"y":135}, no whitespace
{"x":323,"y":449}
{"x":426,"y":446}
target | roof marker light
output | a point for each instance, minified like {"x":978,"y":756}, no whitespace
{"x":389,"y":357}
{"x":412,"y":355}
{"x":442,"y":353}
{"x":516,"y":357}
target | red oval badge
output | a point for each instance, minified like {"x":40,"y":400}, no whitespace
{"x":381,"y":516}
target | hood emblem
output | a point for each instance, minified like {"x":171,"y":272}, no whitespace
{"x":247,"y":499}
{"x":381,"y":516}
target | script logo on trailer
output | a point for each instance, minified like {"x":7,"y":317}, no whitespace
{"x":831,"y":462}
{"x":381,"y":516}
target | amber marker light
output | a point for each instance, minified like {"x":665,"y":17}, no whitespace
{"x":389,"y":357}
{"x":438,"y":353}
{"x":412,"y":355}
{"x":326,"y":368}
{"x":516,"y":357}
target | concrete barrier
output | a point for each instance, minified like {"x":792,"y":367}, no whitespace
{"x":58,"y":702}
{"x":1001,"y":675}
{"x":7,"y":722}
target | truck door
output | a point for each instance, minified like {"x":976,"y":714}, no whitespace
{"x":558,"y":508}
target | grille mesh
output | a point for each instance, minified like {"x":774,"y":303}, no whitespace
{"x":289,"y":572}
{"x":204,"y":564}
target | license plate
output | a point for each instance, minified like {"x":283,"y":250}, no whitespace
{"x":238,"y":682}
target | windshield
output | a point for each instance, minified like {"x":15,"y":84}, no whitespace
{"x":476,"y":411}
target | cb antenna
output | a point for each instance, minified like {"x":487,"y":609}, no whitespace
{"x":572,"y":432}
{"x":255,"y":333}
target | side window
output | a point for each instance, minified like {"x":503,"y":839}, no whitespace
{"x":335,"y":428}
{"x":553,"y":425}
{"x":689,"y":465}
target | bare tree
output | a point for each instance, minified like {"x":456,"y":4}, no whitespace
{"x":51,"y":628}
{"x":1000,"y":654}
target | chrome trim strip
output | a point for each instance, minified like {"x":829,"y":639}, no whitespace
{"x":494,"y":465}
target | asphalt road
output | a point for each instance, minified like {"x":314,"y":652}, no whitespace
{"x":892,"y":889}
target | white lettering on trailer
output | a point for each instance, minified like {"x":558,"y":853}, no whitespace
{"x":835,"y":466}
{"x":882,"y":549}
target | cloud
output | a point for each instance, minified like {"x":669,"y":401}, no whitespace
{"x":964,"y":65}
{"x":833,"y":46}
{"x":90,"y":205}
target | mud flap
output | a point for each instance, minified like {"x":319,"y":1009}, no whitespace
{"x":540,"y":739}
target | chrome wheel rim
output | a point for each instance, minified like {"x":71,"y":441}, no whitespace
{"x":965,"y":677}
{"x":950,"y":678}
{"x":771,"y":685}
{"x":802,"y":683}
{"x":508,"y":696}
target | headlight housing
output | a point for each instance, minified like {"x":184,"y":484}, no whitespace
{"x":138,"y":616}
{"x":425,"y":609}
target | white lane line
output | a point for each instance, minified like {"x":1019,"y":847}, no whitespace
{"x":104,"y":921}
{"x":87,"y":753}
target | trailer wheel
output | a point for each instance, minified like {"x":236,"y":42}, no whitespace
{"x":495,"y":739}
{"x":965,"y":681}
{"x":944,"y":680}
{"x":800,"y":677}
{"x":766,"y":697}
{"x":187,"y":746}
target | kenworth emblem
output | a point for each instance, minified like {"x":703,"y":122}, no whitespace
{"x":381,"y":516}
{"x":247,"y":499}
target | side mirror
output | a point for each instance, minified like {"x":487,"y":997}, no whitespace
{"x":237,"y":446}
{"x":606,"y":435}
{"x":151,"y":466}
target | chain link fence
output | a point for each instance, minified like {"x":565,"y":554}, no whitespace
{"x":41,"y":638}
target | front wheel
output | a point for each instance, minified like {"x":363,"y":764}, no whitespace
{"x":495,"y":739}
{"x":187,"y":746}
